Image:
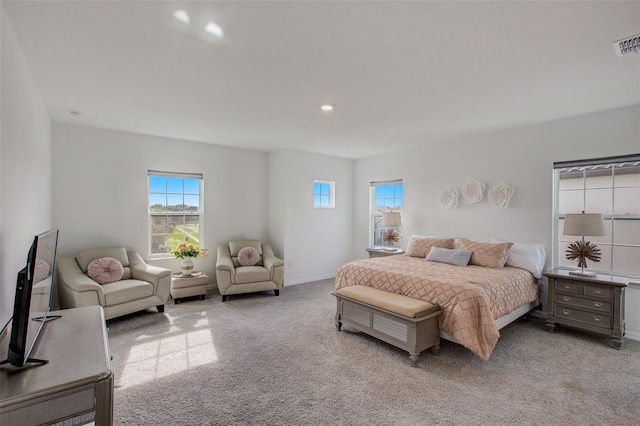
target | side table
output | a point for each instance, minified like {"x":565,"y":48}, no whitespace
{"x":187,"y":286}
{"x":588,"y":303}
{"x":383,"y":251}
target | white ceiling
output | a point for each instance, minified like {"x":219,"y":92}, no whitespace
{"x":401,"y":74}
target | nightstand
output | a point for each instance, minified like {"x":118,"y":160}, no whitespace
{"x":383,"y":251}
{"x":588,"y":303}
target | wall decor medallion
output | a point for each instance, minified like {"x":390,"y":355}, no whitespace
{"x":473,"y":191}
{"x":448,"y":198}
{"x":500,"y":195}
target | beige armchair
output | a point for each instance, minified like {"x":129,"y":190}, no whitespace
{"x":233,"y":278}
{"x":142,"y":286}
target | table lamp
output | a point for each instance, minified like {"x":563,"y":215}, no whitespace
{"x":583,"y":225}
{"x":391,"y":219}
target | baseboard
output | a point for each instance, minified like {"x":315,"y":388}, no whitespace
{"x":309,"y":280}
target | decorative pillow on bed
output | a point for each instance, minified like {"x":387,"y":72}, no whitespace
{"x":486,"y":254}
{"x":527,"y":256}
{"x":420,"y":246}
{"x":105,"y":270}
{"x":248,"y":256}
{"x":450,"y":256}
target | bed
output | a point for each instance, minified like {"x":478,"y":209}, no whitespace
{"x":476,"y":301}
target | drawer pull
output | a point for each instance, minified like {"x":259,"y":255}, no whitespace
{"x":566,"y":312}
{"x":597,"y":318}
{"x":597,"y":291}
{"x":567,"y":286}
{"x":566,"y":299}
{"x":597,"y":304}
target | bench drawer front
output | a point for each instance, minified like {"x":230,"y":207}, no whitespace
{"x":391,"y":327}
{"x":356,"y":313}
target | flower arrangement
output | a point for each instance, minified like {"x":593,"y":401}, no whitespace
{"x":188,"y":250}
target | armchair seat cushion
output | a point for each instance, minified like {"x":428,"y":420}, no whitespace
{"x":125,"y":291}
{"x":251,"y":274}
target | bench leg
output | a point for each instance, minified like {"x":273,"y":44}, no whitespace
{"x":435,"y":349}
{"x":414,"y":360}
{"x":338,"y":322}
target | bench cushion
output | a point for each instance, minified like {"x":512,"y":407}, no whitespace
{"x":397,"y":303}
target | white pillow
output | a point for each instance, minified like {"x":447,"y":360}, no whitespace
{"x":528,"y":256}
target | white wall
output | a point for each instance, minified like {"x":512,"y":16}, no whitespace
{"x":315,"y":241}
{"x":522,"y":158}
{"x":100,"y":189}
{"x":25,"y":159}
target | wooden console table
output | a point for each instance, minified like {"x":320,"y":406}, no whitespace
{"x":76,"y":385}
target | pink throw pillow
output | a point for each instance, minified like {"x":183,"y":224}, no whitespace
{"x":248,"y":256}
{"x":105,"y":270}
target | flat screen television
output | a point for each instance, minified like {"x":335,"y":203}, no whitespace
{"x":32,"y":302}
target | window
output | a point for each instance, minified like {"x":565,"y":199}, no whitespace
{"x":175,"y":210}
{"x":323,"y":196}
{"x":385,"y":197}
{"x":610,"y":186}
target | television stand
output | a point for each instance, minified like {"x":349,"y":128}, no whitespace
{"x":35,"y":361}
{"x":75,"y":387}
{"x":28,"y":361}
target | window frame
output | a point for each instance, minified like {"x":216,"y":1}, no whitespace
{"x":330,"y":196}
{"x":593,"y":168}
{"x":376,"y":219}
{"x":150,"y":215}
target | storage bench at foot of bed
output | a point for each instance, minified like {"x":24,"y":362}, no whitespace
{"x":407,"y":323}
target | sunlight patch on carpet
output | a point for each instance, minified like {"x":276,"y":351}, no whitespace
{"x":173,"y":352}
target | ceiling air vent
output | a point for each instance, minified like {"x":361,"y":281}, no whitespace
{"x":627,"y":45}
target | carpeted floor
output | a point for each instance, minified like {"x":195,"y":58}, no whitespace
{"x":264,"y":360}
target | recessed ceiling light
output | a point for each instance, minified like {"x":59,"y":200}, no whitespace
{"x":75,"y":114}
{"x":182,"y":16}
{"x":327,"y":107}
{"x":214,"y":29}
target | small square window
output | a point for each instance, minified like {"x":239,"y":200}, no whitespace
{"x":323,"y":194}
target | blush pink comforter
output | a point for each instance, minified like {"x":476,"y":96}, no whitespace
{"x":471,"y":298}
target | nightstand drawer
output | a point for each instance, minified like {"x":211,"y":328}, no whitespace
{"x":563,"y":286}
{"x":598,"y":291}
{"x":566,"y":300}
{"x":583,"y":316}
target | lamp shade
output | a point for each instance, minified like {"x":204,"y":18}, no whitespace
{"x":391,"y":219}
{"x":584,"y":224}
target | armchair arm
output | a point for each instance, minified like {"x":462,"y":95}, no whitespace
{"x":225,"y":271}
{"x":274,"y":264}
{"x":159,"y":277}
{"x":269,"y":260}
{"x":77,"y":289}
